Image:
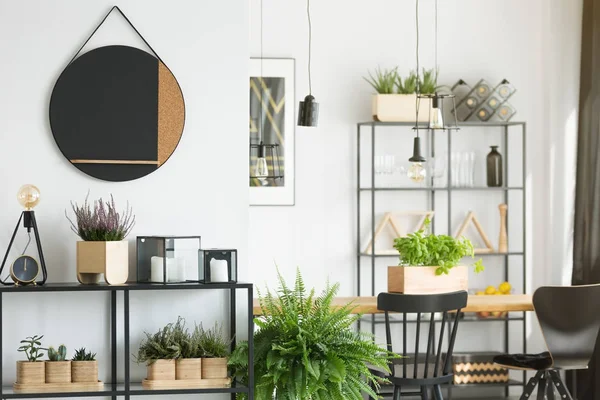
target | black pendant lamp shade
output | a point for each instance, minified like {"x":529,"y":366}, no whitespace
{"x":262,"y":150}
{"x":417,"y":156}
{"x":308,"y":112}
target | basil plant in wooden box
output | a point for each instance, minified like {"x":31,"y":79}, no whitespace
{"x":431,"y":263}
{"x":103,"y":249}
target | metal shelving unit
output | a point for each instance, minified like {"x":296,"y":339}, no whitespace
{"x":126,"y":389}
{"x":431,"y":192}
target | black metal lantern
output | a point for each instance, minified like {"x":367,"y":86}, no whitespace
{"x":218,"y":266}
{"x":168,"y":259}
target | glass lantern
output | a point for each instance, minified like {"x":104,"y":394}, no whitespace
{"x":168,"y":259}
{"x":218,"y":266}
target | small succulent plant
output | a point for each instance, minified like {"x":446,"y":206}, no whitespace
{"x":57,"y":355}
{"x":83,"y":355}
{"x":31,"y":346}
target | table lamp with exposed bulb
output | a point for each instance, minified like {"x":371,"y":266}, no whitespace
{"x":28,"y":196}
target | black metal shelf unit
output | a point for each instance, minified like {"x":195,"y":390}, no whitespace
{"x":127,"y":388}
{"x":431,"y":192}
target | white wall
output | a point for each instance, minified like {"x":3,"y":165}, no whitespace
{"x":205,"y":45}
{"x":534,"y":44}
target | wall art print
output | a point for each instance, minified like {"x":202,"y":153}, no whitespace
{"x":271,"y":121}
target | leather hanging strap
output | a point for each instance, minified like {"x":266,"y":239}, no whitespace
{"x":130,"y":24}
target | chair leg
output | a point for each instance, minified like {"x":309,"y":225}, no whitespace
{"x":437,"y":393}
{"x":542,"y":388}
{"x":531,"y":386}
{"x":424,"y":393}
{"x":560,"y":386}
{"x":396,"y":393}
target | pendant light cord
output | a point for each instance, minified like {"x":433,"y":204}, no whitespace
{"x":262,"y":93}
{"x":436,"y":39}
{"x":418,"y":76}
{"x":309,"y":46}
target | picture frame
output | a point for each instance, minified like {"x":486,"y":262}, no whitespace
{"x":272,"y":121}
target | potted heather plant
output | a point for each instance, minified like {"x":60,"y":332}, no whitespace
{"x":189,"y":364}
{"x":159,"y":352}
{"x":84,"y":366}
{"x":214,"y":347}
{"x":58,"y":368}
{"x":396,"y":98}
{"x":430,"y":263}
{"x":102,"y":249}
{"x":33,"y":370}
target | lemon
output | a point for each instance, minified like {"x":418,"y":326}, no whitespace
{"x":480,"y":293}
{"x":490,"y":290}
{"x":505,"y":288}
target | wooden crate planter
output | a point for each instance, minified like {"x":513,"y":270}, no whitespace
{"x":31,"y":372}
{"x":161,"y":370}
{"x":110,"y":259}
{"x":188,"y":368}
{"x":84,"y":371}
{"x":477,"y":368}
{"x":399,"y":108}
{"x":214,"y":368}
{"x":187,"y":384}
{"x":423,"y":280}
{"x":58,"y":371}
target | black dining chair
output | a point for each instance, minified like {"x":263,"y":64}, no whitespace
{"x":569,"y":317}
{"x":423,"y":368}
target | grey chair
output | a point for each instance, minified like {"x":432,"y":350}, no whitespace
{"x":569,"y":317}
{"x":425,"y":368}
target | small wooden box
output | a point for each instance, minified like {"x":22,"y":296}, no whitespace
{"x":477,"y":368}
{"x":423,"y":280}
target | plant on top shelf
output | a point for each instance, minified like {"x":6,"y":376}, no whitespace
{"x":306,"y":349}
{"x":57,"y":355}
{"x":102,"y":222}
{"x":32,"y":347}
{"x":441,"y":251}
{"x":83,"y":355}
{"x":384,"y":81}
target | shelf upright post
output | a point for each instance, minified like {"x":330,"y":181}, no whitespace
{"x":113,"y":341}
{"x":250,"y":344}
{"x":358,"y":248}
{"x":432,"y":168}
{"x":524,"y":184}
{"x":506,"y":261}
{"x":232,"y":324}
{"x":1,"y":343}
{"x":126,"y":340}
{"x":449,"y":183}
{"x":373,"y":221}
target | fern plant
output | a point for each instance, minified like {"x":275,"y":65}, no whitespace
{"x":305,"y":349}
{"x":426,"y":249}
{"x":83,"y":355}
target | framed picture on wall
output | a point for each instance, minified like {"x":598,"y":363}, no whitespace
{"x":272,"y":132}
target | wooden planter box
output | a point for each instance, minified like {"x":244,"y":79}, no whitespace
{"x":214,"y":368}
{"x":84,"y":371}
{"x":108,"y":258}
{"x":399,"y":108}
{"x":161,"y":370}
{"x":423,"y":280}
{"x":188,"y":368}
{"x":31,"y":372}
{"x":58,"y":371}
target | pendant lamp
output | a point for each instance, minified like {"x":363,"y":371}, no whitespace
{"x":308,"y":110}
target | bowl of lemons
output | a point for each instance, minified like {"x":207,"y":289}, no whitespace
{"x":503,"y":289}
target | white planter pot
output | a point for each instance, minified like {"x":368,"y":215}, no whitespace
{"x":399,"y":108}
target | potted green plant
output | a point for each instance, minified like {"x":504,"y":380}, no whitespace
{"x":84,"y":366}
{"x":430,"y":263}
{"x":306,"y":349}
{"x":215,"y":350}
{"x":33,"y":370}
{"x":102,"y":249}
{"x":159,"y":352}
{"x":189,"y":364}
{"x":396,"y":98}
{"x":58,"y":368}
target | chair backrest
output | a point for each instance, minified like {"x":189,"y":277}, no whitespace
{"x":570,"y":320}
{"x":426,"y":362}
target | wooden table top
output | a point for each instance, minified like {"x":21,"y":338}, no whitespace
{"x":510,"y":302}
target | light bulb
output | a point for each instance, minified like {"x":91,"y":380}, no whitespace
{"x":28,"y":196}
{"x":261,"y":170}
{"x":437,"y":118}
{"x":417,"y":172}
